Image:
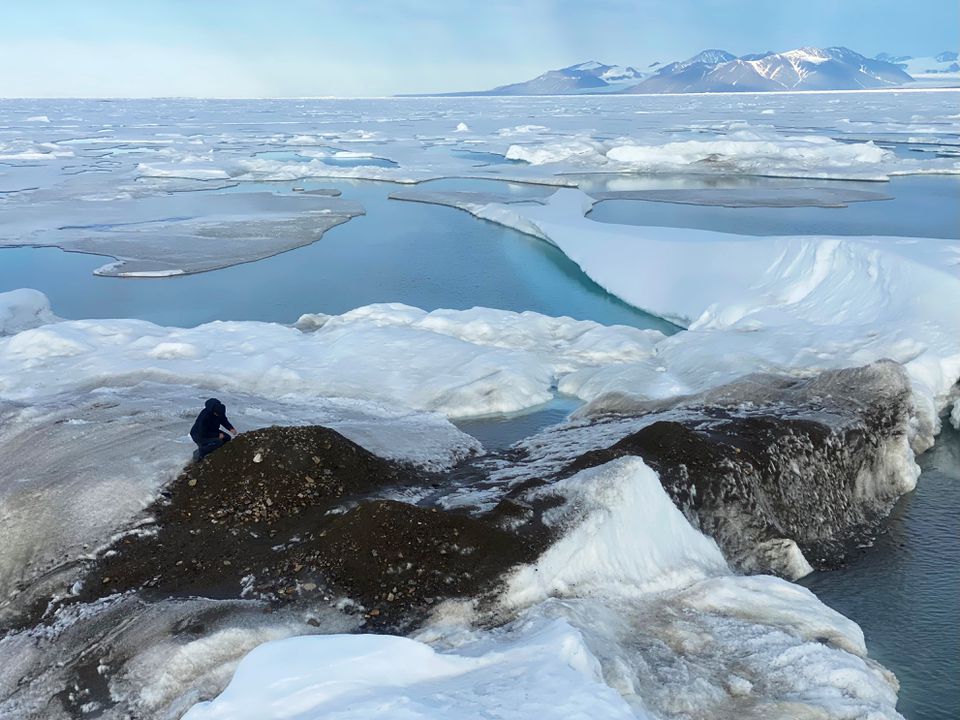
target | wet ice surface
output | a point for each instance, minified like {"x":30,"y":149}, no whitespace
{"x":176,"y":233}
{"x":917,"y":206}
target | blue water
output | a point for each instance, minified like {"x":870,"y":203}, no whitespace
{"x":422,"y":255}
{"x":905,"y":591}
{"x":922,"y":206}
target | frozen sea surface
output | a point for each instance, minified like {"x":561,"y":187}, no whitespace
{"x":135,"y":172}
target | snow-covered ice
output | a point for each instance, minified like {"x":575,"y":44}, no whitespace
{"x":23,"y":309}
{"x":464,"y":363}
{"x":759,"y":304}
{"x":363,"y":676}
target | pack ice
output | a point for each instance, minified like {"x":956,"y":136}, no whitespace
{"x":83,"y":180}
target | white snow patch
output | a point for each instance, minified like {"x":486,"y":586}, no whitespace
{"x":460,"y":363}
{"x":24,"y":309}
{"x":619,"y":520}
{"x":365,"y":676}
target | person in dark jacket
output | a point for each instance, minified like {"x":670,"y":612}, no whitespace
{"x":206,"y":431}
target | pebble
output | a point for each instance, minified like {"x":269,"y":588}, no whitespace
{"x":191,"y":482}
{"x":309,"y":586}
{"x":258,"y":458}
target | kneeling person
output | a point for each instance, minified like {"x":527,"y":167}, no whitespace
{"x":206,"y":430}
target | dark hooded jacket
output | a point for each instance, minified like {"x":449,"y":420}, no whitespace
{"x":209,"y":421}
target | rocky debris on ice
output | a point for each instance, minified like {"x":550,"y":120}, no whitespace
{"x":783,"y":473}
{"x":296,"y":512}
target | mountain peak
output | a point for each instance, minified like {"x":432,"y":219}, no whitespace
{"x":716,"y":70}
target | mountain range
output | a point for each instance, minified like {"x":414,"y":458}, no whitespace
{"x":713,"y":70}
{"x":939,"y":66}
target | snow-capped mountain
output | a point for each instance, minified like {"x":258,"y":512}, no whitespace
{"x":590,"y":76}
{"x":835,"y":68}
{"x":944,"y":66}
{"x":715,"y":70}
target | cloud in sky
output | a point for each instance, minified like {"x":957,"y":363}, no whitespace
{"x":271,"y":48}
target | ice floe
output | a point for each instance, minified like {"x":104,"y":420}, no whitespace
{"x":463,"y":363}
{"x":233,"y":228}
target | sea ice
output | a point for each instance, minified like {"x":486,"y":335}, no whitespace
{"x":150,"y":239}
{"x":777,"y":304}
{"x":23,"y":309}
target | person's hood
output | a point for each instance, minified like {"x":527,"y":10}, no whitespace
{"x":214,"y":405}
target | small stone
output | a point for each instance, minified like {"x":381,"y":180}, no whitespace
{"x":191,"y":482}
{"x":373,"y":552}
{"x":309,"y":586}
{"x":390,"y":597}
{"x":375,"y":612}
{"x":226,"y":562}
{"x":106,"y":580}
{"x":258,"y":458}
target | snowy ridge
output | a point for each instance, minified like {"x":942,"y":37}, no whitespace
{"x":461,"y":363}
{"x":807,"y":68}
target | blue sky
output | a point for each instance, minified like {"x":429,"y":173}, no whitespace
{"x":284,"y":48}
